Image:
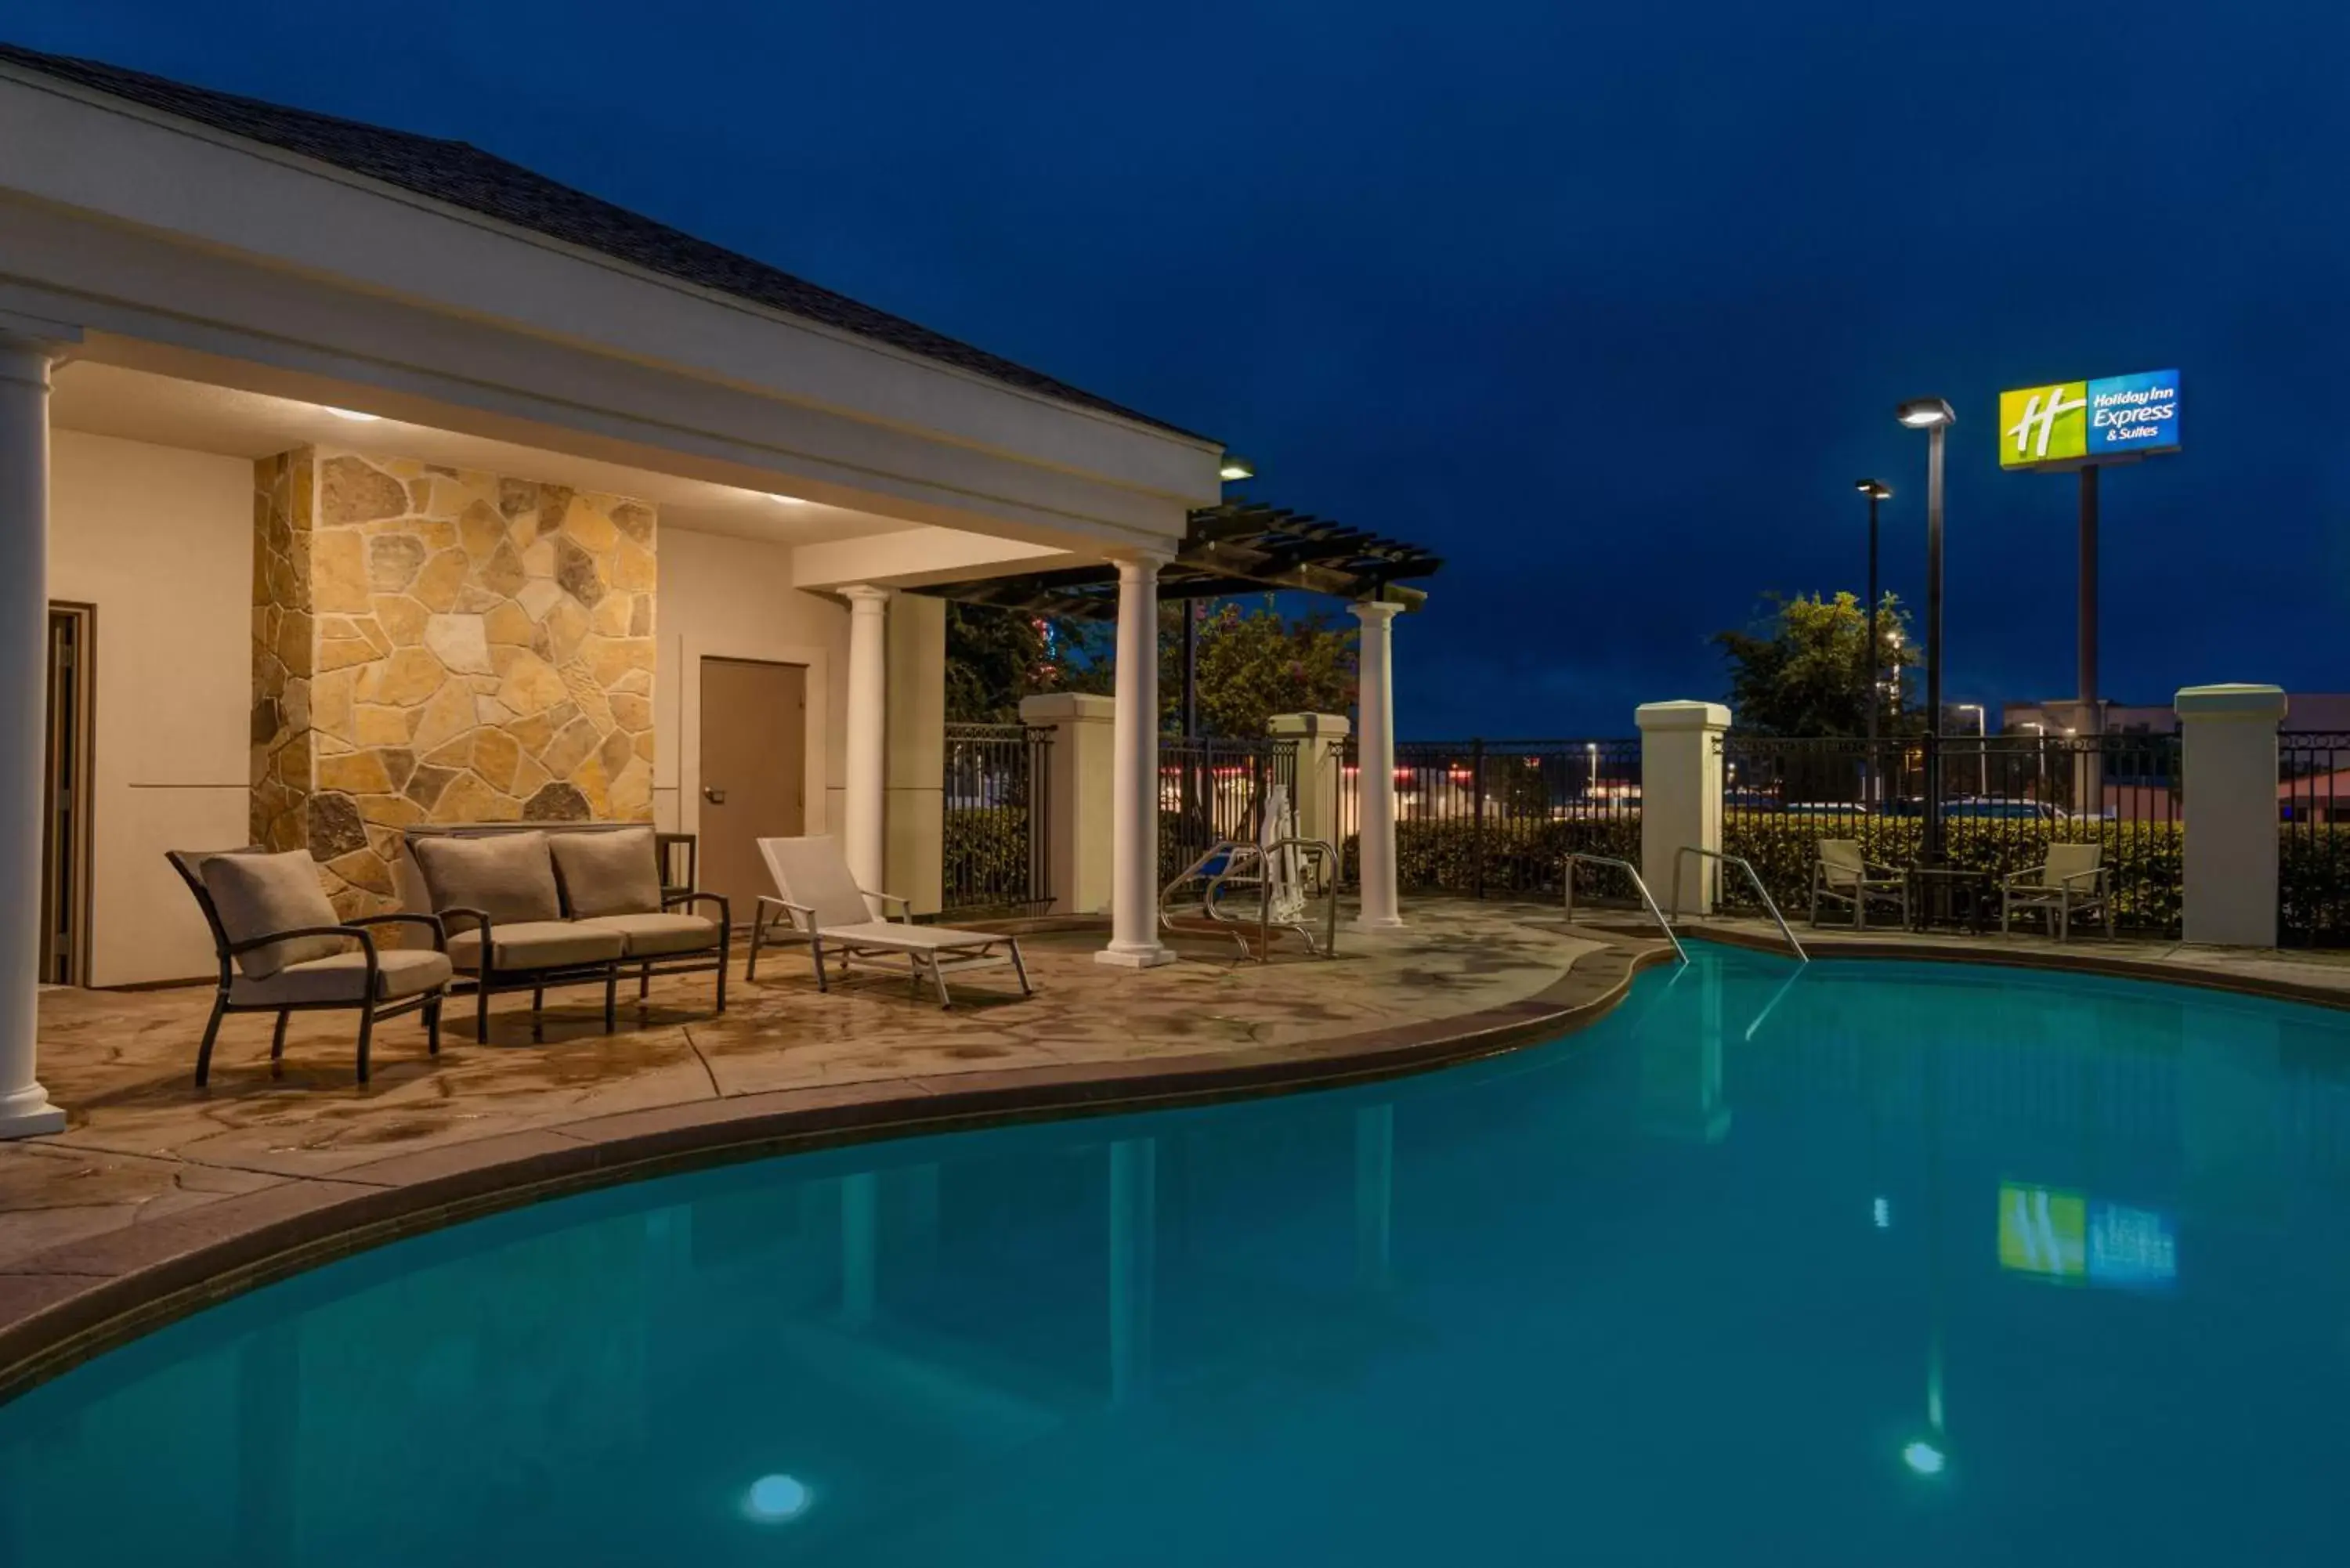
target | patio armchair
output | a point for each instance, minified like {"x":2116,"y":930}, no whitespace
{"x":820,"y":904}
{"x":1842,"y":874}
{"x":2072,"y":880}
{"x":283,"y":950}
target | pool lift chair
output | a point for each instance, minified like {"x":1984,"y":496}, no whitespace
{"x":1250,"y":891}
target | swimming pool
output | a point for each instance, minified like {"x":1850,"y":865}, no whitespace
{"x":1862,"y":1264}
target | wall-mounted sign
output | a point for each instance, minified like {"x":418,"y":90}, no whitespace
{"x":2072,"y":422}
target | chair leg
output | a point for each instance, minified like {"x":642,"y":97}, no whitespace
{"x":482,"y":1011}
{"x":816,"y":946}
{"x":611,"y":998}
{"x":722,"y":979}
{"x":432,"y":1027}
{"x":758,"y":930}
{"x":367,"y":1036}
{"x":537,"y":1014}
{"x":1021,"y":970}
{"x":277,"y":1040}
{"x":939,"y":979}
{"x":212,"y":1033}
{"x":644,"y":982}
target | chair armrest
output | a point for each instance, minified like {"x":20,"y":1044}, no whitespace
{"x":905,"y":905}
{"x":1889,"y":870}
{"x":480,"y":918}
{"x":430,"y":922}
{"x":725,"y":914}
{"x":2096,"y":873}
{"x":801,"y":913}
{"x":352,"y":931}
{"x":2016,"y":879}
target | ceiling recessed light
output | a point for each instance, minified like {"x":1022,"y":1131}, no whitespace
{"x":353,"y":414}
{"x":786,"y":500}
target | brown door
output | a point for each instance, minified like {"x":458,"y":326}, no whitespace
{"x":753,"y":773}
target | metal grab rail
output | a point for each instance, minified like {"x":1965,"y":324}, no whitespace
{"x":1760,"y":892}
{"x":1567,"y":876}
{"x":1246,"y":865}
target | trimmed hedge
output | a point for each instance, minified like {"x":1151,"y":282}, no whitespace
{"x":985,"y":858}
{"x":2314,"y":887}
{"x":1520,"y":857}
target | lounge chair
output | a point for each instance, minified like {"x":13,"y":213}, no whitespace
{"x":821,"y":905}
{"x":283,"y":950}
{"x":1843,"y":874}
{"x":2073,"y":880}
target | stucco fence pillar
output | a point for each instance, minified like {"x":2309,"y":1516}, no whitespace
{"x":1680,"y":797}
{"x":1321,"y":749}
{"x":1079,"y":843}
{"x":2228,"y":769}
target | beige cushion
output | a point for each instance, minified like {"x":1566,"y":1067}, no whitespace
{"x":507,"y":875}
{"x":607,"y":872}
{"x":537,"y":944}
{"x":257,"y":894}
{"x":400,"y":971}
{"x":649,"y":936}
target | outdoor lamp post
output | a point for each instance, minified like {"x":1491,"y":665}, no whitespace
{"x":1934,"y":416}
{"x":1876,"y":490}
{"x":1982,"y":746}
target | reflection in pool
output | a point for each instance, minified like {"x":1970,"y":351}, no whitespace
{"x":1765,"y":1266}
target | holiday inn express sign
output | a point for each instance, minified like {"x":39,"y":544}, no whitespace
{"x":2075,"y":422}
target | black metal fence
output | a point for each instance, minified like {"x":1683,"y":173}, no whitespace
{"x":1498,"y":818}
{"x":2004,"y":799}
{"x":998,"y":801}
{"x":1212,"y":788}
{"x":2313,"y":846}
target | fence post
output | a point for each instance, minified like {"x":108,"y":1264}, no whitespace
{"x":2228,"y":771}
{"x":1080,"y":844}
{"x":1477,"y":818}
{"x":1680,"y":794}
{"x":1320,"y":742}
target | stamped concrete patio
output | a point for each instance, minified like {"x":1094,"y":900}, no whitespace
{"x":144,"y":1144}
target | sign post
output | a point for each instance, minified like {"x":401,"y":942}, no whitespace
{"x":2084,"y":425}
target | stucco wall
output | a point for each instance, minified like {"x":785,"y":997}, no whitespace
{"x":160,"y":541}
{"x":452,"y":645}
{"x":733,"y":598}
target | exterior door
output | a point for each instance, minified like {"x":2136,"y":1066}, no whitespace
{"x":753,"y":773}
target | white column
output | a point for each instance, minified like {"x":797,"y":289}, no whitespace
{"x":1375,"y":776}
{"x":1134,"y":875}
{"x":864,"y":839}
{"x":2228,"y":752}
{"x":25,"y":361}
{"x":1680,"y":798}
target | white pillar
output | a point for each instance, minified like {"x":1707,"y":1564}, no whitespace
{"x":1134,"y":875}
{"x":1680,"y":797}
{"x":2228,"y":754}
{"x":864,"y":839}
{"x":25,"y":361}
{"x":1375,"y":759}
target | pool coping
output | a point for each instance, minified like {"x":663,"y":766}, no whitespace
{"x":67,"y":1303}
{"x":2113,"y":966}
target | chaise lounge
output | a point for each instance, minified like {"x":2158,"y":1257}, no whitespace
{"x":570,"y":904}
{"x":821,"y":905}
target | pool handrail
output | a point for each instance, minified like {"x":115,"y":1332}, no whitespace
{"x":1567,"y":874}
{"x":1760,"y":892}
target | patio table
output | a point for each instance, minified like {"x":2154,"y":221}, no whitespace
{"x":1951,"y":895}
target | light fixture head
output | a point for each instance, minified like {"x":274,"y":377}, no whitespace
{"x":352,"y":414}
{"x":1235,"y":466}
{"x":786,"y":500}
{"x":1924,"y":413}
{"x":1874,"y":489}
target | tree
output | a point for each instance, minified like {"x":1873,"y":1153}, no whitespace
{"x":1253,"y":664}
{"x":1804,"y":669}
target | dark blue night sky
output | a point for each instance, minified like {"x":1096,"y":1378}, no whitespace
{"x":1609,"y":303}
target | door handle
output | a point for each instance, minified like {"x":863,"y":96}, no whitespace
{"x":714,"y":796}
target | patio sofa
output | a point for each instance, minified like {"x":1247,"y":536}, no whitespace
{"x":534,"y":905}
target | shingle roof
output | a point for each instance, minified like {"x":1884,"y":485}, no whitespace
{"x":462,"y":176}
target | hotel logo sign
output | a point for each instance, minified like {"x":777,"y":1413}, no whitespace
{"x":2070,"y":423}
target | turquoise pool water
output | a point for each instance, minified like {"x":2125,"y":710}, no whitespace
{"x":1862,"y":1264}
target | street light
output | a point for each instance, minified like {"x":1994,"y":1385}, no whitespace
{"x":1592,"y":788}
{"x":1876,"y":490}
{"x":1935,"y":417}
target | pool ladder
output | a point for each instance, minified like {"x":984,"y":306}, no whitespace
{"x":1625,"y":866}
{"x":1760,"y":891}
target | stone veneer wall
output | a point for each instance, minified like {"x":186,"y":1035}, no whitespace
{"x":437,"y":645}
